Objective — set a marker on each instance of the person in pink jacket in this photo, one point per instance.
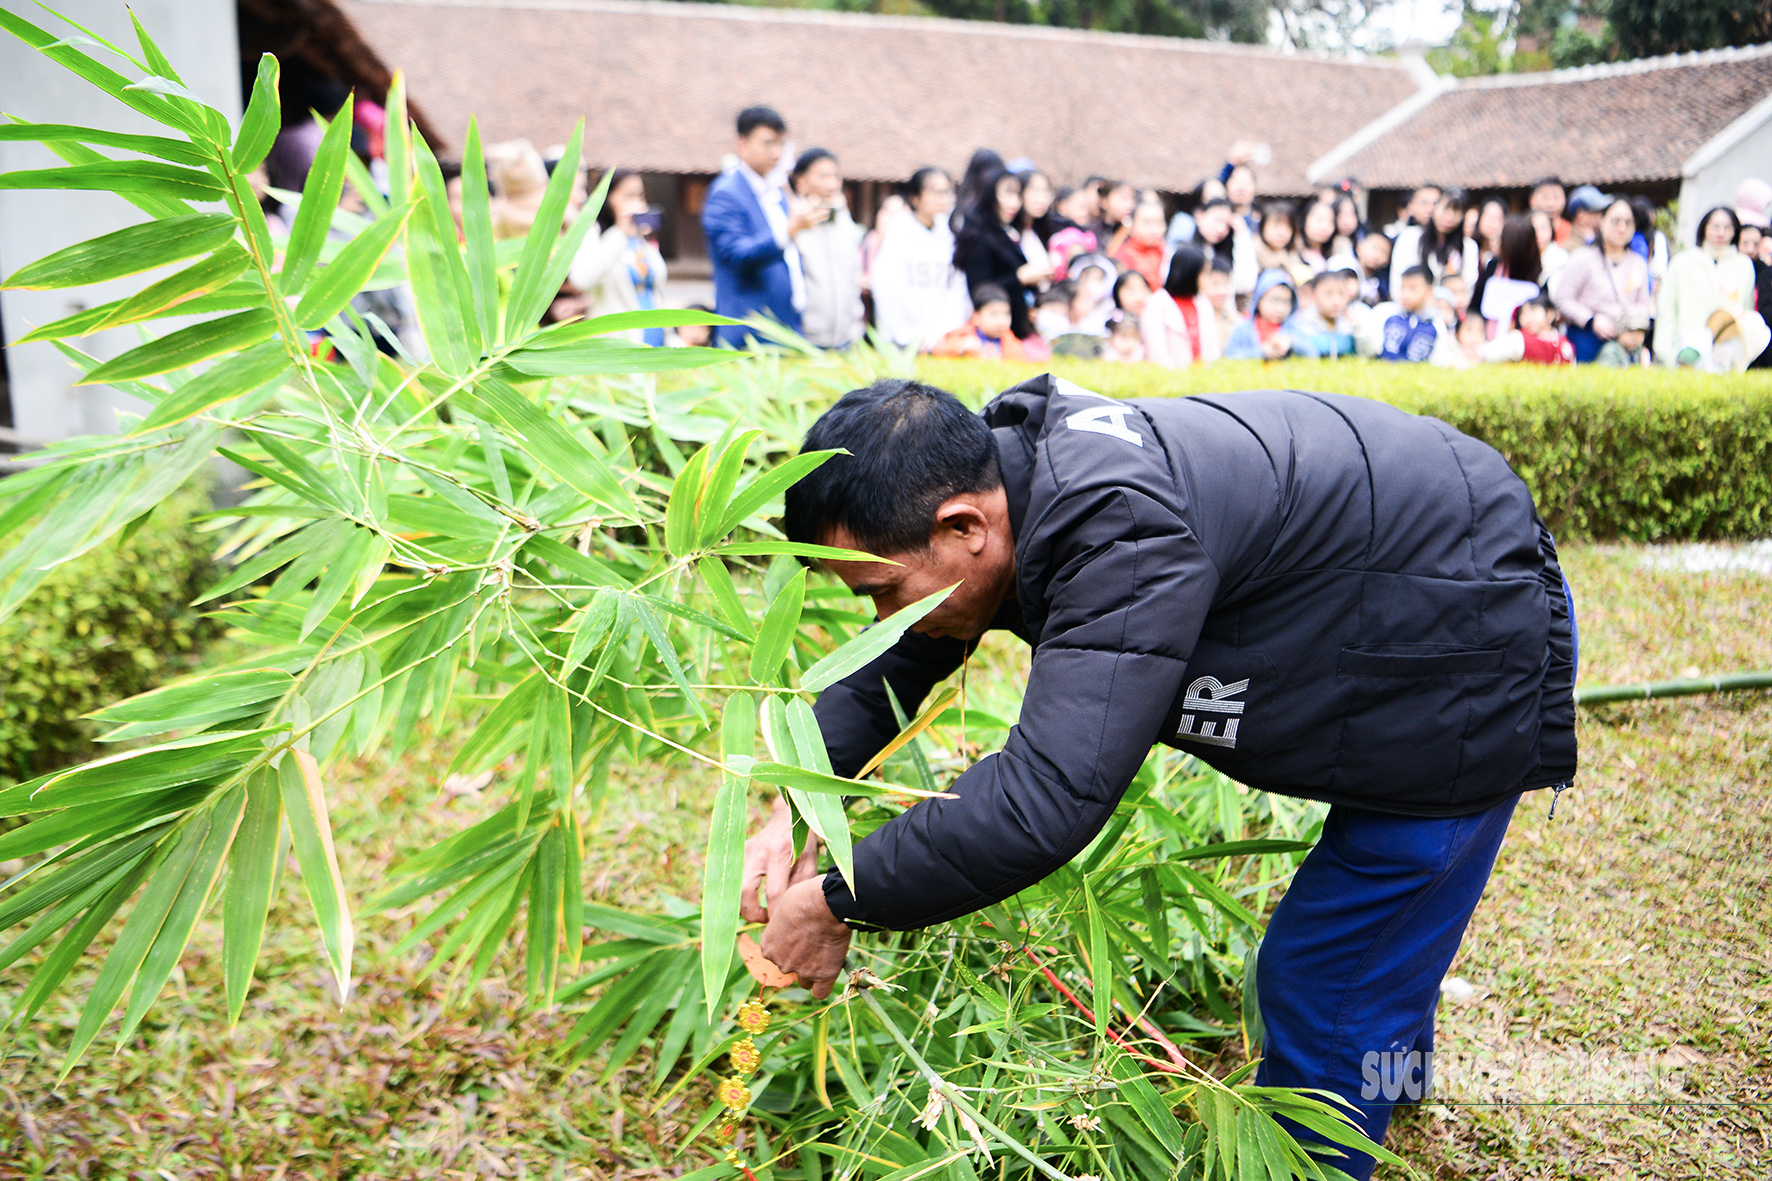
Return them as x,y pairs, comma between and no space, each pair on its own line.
1180,325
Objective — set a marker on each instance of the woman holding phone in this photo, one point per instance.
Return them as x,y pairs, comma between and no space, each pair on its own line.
830,254
620,269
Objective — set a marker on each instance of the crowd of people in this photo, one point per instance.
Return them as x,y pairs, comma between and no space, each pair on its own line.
1007,263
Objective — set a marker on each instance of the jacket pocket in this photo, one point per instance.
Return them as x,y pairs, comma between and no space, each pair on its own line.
1419,660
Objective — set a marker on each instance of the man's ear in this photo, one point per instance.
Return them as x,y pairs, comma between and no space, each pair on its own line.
961,517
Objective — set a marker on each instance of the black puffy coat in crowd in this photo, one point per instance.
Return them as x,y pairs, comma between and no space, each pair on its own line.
1319,595
988,257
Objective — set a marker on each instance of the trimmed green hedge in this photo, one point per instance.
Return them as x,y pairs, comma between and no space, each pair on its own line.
111,623
1647,455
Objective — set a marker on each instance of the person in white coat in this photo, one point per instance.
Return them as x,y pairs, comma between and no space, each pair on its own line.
830,255
919,296
620,269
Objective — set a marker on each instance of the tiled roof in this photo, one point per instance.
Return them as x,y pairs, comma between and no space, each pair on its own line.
1633,121
660,82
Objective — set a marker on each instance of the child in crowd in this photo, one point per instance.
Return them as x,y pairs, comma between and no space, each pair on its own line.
1407,328
987,334
1534,337
1473,335
1370,261
1263,334
1626,351
1052,314
1216,286
1125,339
1322,329
696,335
1458,296
1090,303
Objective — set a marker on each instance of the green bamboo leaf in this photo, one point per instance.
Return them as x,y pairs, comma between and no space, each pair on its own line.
824,813
304,802
549,443
151,177
285,550
799,549
262,120
439,277
127,251
577,330
157,61
252,871
1155,1114
59,962
201,701
767,487
593,571
92,824
667,652
186,346
724,875
1101,970
801,779
594,623
101,864
193,895
171,864
230,297
683,510
719,581
476,220
340,280
543,943
611,356
197,759
337,578
530,294
870,644
176,151
173,294
722,480
319,198
776,636
398,144
105,78
486,743
248,372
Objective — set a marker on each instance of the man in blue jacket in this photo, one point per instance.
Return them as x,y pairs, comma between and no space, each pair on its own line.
1321,596
750,226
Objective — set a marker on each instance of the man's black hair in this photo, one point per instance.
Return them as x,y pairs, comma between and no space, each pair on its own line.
911,446
1544,182
989,293
1418,269
752,118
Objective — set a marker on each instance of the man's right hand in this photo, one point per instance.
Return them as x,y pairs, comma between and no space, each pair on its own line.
769,862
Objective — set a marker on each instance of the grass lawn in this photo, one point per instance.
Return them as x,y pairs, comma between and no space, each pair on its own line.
1621,954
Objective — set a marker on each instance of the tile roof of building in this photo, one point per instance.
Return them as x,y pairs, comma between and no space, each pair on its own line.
1613,124
660,82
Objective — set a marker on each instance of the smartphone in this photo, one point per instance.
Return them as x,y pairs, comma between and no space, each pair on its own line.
648,222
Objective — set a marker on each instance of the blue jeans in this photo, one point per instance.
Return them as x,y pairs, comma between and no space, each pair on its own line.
1348,975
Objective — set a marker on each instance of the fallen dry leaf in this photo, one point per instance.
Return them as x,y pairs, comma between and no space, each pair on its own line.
761,968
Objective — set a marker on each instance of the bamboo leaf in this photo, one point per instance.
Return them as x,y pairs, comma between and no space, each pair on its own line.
667,652
551,444
870,644
202,701
56,966
252,871
780,624
186,346
724,874
399,142
682,511
338,282
824,813
319,199
543,944
445,276
176,151
1155,1114
1101,970
719,581
799,549
722,479
105,78
614,322
767,487
173,294
801,779
171,864
304,802
476,220
198,759
127,251
529,292
606,356
594,623
243,373
150,177
486,743
262,120
193,894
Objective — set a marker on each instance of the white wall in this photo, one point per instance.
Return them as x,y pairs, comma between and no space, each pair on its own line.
1715,183
199,37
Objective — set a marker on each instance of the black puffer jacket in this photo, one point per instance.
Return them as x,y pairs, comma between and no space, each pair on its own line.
1319,595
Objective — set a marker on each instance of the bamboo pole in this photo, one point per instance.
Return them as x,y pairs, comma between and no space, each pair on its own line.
1728,683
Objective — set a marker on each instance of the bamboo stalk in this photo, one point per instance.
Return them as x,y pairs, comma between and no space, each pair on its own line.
1728,683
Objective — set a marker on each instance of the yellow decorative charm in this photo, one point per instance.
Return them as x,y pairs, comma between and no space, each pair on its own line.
745,1058
753,1017
734,1094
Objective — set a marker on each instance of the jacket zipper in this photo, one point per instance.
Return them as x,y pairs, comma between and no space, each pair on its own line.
1556,790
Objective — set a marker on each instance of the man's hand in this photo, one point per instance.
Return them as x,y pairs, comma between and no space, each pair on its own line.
805,938
769,862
